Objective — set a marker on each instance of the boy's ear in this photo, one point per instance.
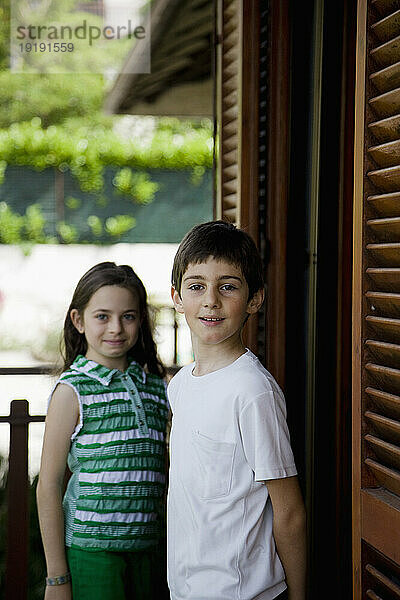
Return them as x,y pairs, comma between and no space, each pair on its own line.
177,300
255,302
77,321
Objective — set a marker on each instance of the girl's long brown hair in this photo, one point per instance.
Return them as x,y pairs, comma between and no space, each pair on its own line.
108,273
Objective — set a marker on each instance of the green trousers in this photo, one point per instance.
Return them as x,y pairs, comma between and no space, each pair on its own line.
111,575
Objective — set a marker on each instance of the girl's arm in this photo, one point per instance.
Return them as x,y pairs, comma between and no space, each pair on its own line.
62,417
289,526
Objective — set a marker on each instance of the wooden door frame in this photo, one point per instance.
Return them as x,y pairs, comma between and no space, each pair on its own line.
277,173
249,138
358,220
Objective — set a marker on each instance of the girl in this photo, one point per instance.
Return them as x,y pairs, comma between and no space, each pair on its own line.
107,418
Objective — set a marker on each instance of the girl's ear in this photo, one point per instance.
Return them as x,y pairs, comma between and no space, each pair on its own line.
177,300
255,302
77,320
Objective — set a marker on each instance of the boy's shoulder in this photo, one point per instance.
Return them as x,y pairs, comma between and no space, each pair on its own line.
246,377
180,376
251,376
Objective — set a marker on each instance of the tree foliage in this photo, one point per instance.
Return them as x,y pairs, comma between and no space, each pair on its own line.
86,151
52,98
4,33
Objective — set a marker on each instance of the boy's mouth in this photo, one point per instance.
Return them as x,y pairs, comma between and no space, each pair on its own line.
211,319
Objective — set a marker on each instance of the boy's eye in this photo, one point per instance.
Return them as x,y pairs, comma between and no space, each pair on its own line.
195,287
228,287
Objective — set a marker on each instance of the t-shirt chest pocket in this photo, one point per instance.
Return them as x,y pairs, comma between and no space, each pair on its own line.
213,466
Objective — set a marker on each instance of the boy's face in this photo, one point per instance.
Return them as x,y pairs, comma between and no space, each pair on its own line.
214,300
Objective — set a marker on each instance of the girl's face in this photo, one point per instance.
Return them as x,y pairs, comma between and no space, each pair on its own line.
111,324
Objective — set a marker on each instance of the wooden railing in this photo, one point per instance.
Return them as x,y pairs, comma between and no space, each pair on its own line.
16,579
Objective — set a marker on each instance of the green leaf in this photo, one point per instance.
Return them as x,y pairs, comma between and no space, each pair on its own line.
136,185
120,224
95,225
67,233
73,203
34,224
11,225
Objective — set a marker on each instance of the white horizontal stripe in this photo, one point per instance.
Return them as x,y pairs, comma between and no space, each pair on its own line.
120,476
121,450
105,397
109,396
116,517
147,396
114,436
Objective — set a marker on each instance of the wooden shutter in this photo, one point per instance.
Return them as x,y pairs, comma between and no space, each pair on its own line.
228,98
237,103
376,316
237,93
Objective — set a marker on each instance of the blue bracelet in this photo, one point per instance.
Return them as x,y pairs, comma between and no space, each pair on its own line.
59,580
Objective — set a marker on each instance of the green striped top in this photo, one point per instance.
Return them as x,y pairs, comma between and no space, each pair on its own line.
117,458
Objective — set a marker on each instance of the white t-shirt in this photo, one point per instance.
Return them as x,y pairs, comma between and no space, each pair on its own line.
228,434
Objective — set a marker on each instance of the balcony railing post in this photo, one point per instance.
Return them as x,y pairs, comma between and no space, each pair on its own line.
176,327
16,583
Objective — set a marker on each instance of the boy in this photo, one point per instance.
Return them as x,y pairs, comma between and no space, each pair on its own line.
233,491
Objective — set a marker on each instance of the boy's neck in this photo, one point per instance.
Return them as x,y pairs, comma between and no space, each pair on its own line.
210,358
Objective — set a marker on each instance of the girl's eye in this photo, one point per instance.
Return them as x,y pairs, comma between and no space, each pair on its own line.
101,317
130,317
195,287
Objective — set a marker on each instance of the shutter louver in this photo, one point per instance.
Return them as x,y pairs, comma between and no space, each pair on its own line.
229,204
379,429
382,579
381,420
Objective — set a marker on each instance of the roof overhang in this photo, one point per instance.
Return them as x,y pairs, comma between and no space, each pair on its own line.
180,82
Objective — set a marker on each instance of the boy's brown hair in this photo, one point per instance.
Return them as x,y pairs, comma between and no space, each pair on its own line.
222,241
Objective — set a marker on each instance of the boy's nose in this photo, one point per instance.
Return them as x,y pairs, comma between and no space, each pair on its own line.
210,299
